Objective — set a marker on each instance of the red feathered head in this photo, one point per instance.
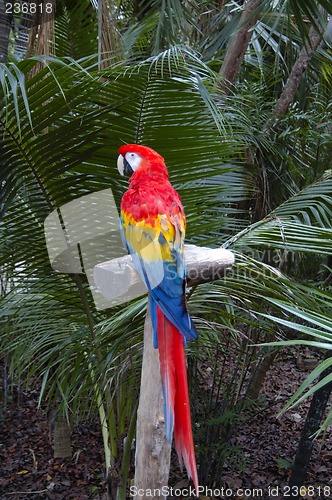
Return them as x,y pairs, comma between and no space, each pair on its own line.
134,157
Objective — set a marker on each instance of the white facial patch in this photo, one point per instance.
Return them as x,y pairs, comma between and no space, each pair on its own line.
134,160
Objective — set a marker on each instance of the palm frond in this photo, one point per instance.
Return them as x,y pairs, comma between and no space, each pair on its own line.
300,224
317,327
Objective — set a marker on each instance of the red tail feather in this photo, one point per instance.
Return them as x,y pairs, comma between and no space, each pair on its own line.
176,396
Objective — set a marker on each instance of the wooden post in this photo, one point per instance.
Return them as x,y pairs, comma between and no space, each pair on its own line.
118,281
153,452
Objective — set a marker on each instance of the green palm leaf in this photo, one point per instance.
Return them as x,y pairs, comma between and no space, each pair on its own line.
300,224
317,326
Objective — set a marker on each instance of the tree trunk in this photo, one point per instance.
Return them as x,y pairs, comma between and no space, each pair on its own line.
41,37
314,417
153,452
61,438
258,377
109,41
5,25
239,44
291,86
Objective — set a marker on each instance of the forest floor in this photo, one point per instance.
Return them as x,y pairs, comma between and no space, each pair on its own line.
261,468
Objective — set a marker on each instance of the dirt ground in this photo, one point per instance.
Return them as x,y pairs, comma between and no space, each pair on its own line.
267,447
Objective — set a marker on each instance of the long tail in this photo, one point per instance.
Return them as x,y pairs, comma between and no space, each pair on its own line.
176,396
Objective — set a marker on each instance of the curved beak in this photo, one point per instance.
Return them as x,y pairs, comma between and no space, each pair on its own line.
124,167
120,165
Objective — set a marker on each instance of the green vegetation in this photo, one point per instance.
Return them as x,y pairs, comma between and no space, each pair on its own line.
253,172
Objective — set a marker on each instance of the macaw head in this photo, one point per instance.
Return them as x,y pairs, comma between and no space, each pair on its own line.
136,158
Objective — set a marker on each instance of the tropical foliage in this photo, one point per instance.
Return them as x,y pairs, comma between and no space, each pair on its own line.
265,192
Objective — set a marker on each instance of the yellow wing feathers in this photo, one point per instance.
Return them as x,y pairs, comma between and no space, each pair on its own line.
154,239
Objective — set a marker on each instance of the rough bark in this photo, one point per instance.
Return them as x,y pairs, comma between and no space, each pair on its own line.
259,375
314,417
5,25
41,37
61,438
153,452
238,45
109,41
288,93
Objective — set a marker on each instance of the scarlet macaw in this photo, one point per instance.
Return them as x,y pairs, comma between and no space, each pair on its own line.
153,225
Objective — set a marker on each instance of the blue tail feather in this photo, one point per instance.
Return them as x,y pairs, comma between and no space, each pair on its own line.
153,312
175,310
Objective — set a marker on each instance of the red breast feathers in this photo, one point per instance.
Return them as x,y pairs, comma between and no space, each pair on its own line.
150,194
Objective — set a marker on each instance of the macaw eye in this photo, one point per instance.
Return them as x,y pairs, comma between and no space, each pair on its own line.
133,159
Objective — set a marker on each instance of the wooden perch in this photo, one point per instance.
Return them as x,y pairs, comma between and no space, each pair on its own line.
119,282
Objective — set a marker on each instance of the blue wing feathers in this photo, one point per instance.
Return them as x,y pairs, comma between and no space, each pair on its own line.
164,279
169,295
